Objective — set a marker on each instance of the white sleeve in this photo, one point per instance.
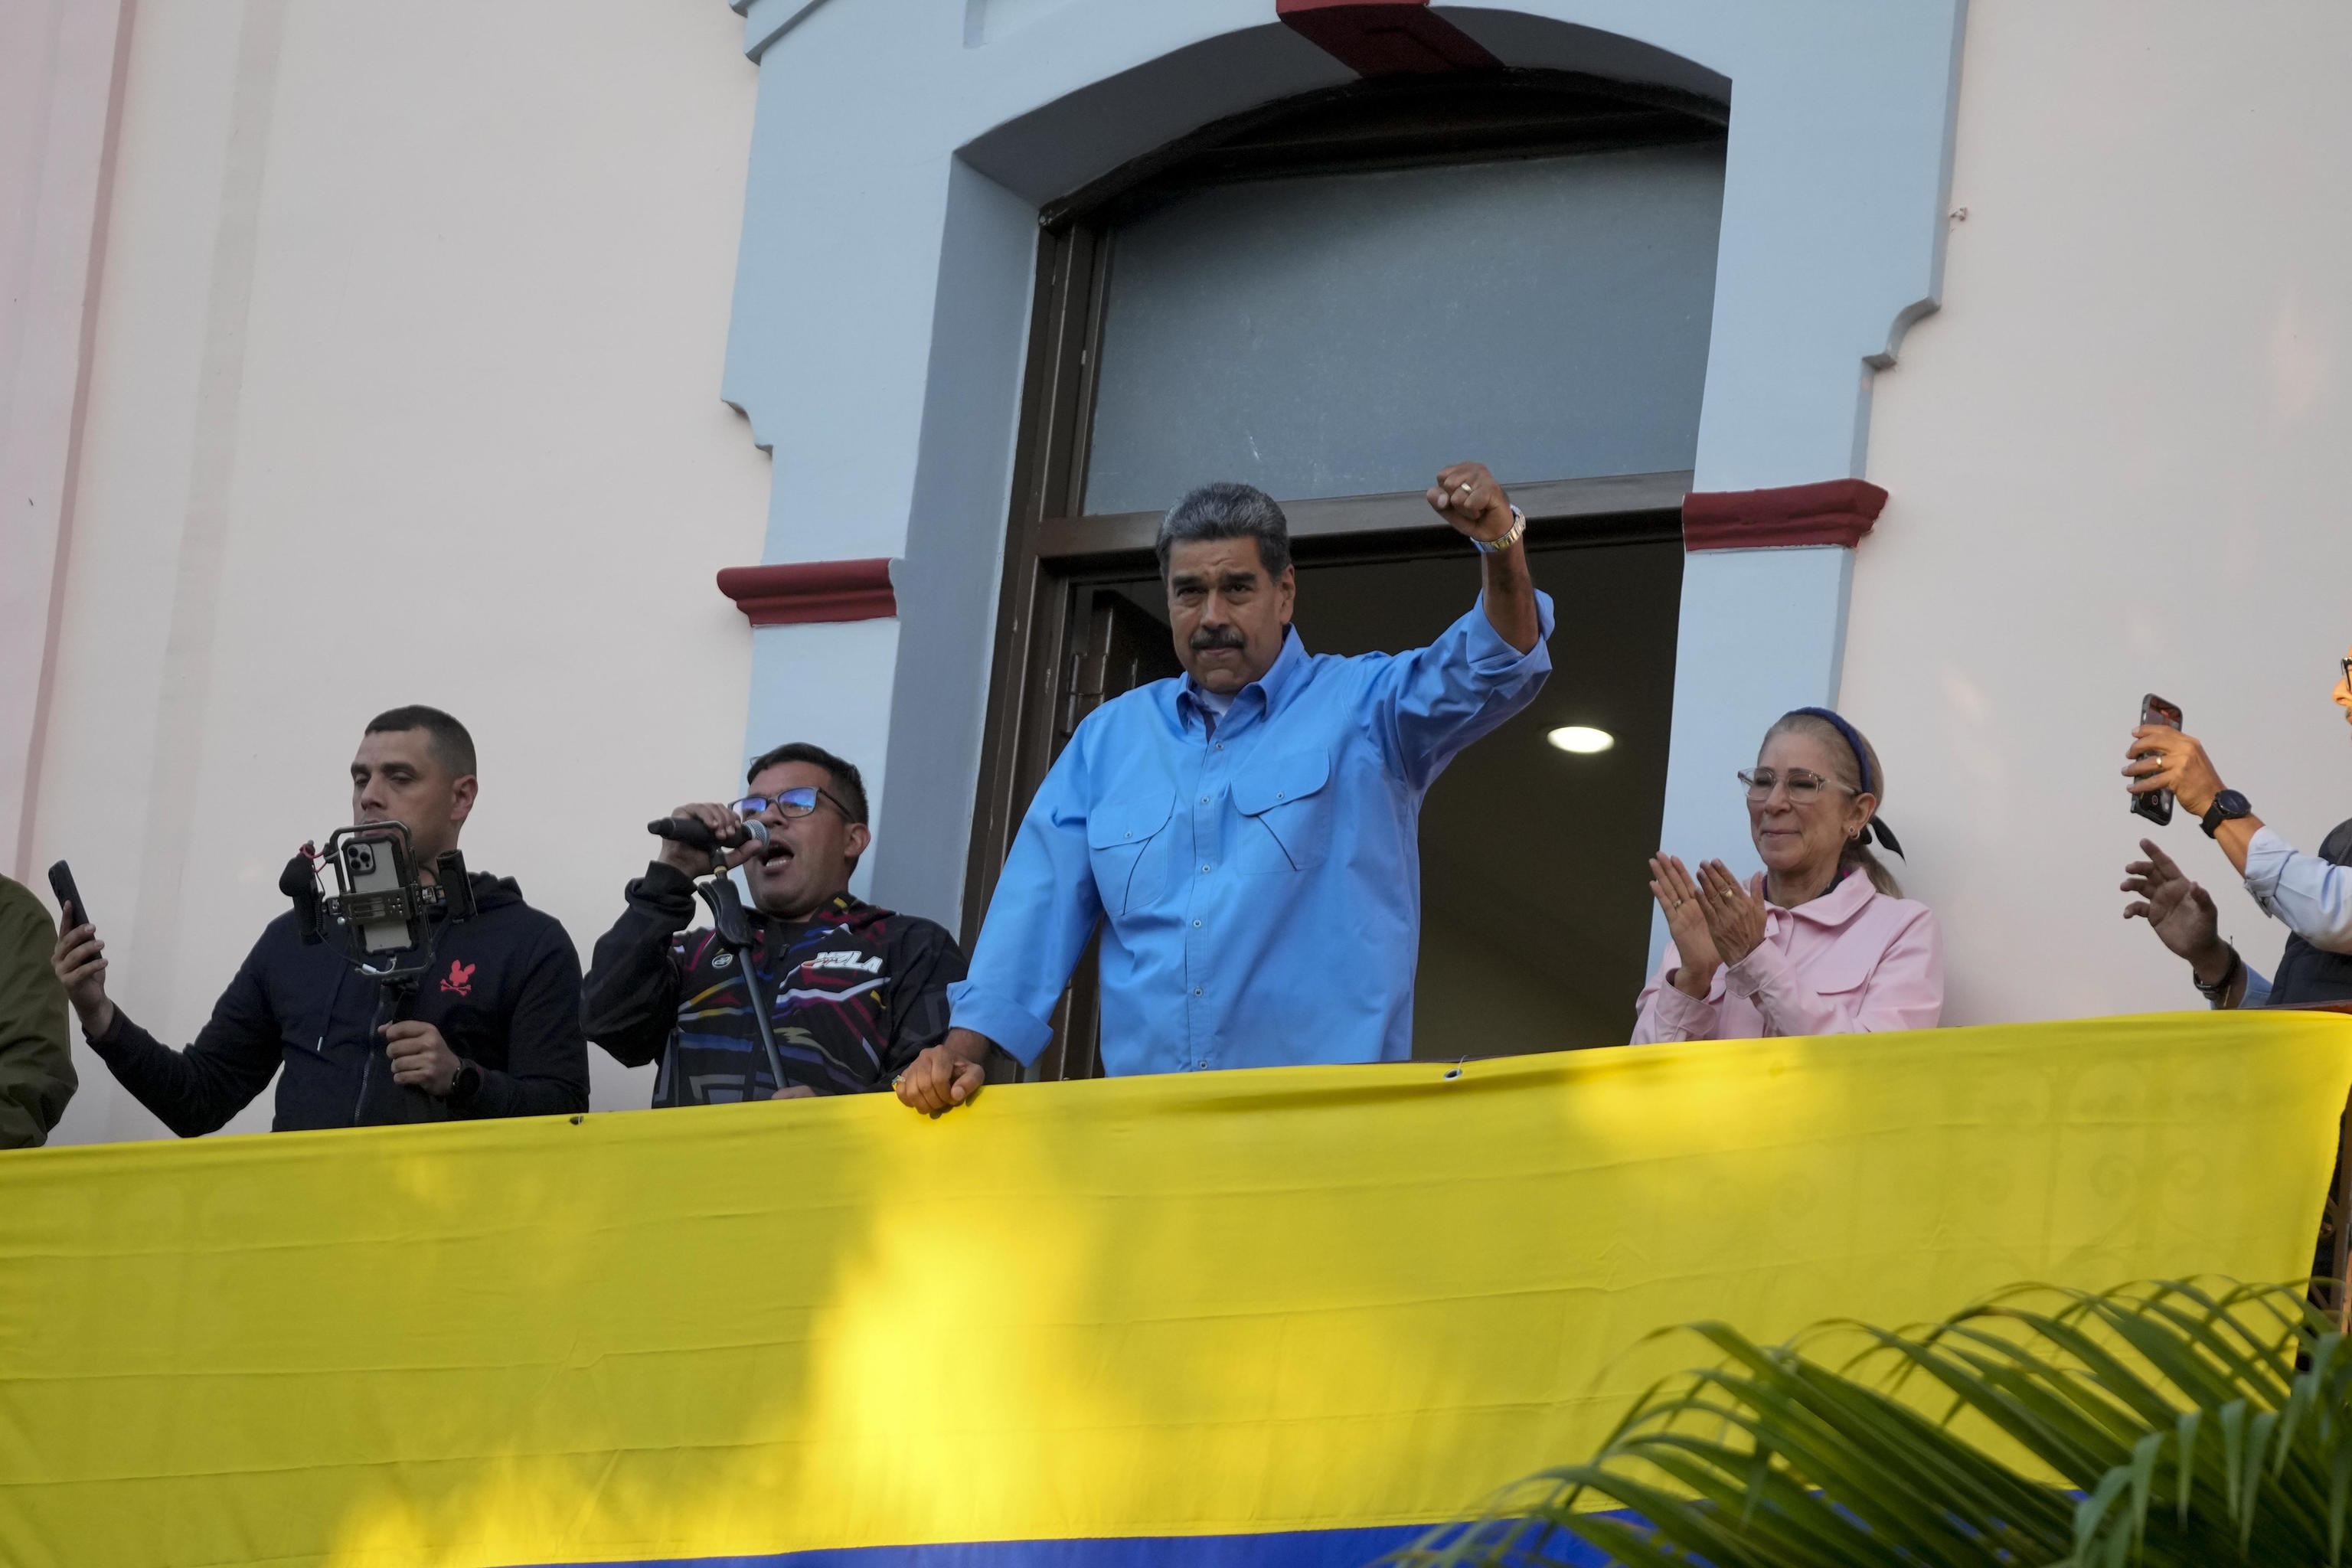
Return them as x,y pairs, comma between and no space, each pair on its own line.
2310,897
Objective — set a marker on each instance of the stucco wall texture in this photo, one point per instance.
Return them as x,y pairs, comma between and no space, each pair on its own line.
2117,464
406,388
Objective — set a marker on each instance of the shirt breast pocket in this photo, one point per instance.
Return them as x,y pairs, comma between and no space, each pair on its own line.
1285,804
1841,973
1127,845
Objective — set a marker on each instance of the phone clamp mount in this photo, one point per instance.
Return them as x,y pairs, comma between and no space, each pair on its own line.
732,921
380,918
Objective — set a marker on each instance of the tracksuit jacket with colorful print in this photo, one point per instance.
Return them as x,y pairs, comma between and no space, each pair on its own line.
853,994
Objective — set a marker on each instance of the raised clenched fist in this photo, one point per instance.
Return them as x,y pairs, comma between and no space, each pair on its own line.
1466,496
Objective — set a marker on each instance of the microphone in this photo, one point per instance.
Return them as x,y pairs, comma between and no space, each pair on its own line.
299,882
691,831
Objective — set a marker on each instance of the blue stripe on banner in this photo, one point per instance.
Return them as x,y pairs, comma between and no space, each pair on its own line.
1278,1548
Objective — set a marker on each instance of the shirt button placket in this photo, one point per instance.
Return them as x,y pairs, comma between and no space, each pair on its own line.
1208,842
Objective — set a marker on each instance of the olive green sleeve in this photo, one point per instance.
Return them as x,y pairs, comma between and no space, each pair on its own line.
36,1071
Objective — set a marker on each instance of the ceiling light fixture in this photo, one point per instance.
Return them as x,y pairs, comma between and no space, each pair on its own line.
1581,739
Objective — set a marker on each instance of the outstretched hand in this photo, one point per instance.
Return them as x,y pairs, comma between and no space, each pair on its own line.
2178,909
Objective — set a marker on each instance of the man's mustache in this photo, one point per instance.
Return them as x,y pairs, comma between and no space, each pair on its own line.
1207,637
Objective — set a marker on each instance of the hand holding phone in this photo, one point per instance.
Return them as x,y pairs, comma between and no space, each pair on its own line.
71,910
79,964
2157,804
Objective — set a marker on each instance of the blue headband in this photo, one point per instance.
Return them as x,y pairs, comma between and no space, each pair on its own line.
1874,829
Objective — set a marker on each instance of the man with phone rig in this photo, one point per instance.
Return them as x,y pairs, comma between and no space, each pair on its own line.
1248,833
854,993
493,1029
2310,894
36,1070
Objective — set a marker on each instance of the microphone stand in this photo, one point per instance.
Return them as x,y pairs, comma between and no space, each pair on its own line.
733,924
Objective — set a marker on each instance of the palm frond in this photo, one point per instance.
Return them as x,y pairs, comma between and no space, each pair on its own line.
2164,1424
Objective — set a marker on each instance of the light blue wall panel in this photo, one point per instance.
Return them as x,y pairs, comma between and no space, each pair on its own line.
1761,631
805,686
948,579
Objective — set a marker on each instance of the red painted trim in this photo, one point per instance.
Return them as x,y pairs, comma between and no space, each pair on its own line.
1836,511
794,592
1384,37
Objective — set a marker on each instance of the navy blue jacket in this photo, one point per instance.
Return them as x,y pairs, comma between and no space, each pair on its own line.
504,991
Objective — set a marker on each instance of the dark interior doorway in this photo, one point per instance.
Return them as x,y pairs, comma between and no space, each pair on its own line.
1534,885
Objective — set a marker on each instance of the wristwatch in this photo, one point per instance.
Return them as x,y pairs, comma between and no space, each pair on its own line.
464,1086
2228,807
2217,992
1497,545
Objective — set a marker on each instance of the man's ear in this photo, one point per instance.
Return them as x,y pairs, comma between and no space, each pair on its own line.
461,798
857,841
1285,591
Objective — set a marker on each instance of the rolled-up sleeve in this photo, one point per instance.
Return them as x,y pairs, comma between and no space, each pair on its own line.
1044,908
2311,898
1437,700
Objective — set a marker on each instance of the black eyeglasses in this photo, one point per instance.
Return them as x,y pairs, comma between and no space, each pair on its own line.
2347,663
1804,787
797,801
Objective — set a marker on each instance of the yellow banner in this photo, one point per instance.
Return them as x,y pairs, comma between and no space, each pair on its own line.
1226,1305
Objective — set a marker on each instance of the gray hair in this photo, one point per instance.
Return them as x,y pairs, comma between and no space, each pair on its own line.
1228,510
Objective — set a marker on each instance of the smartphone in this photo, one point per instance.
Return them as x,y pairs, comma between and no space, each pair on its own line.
69,905
376,865
2157,804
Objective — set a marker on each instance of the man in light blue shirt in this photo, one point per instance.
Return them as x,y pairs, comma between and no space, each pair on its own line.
1248,833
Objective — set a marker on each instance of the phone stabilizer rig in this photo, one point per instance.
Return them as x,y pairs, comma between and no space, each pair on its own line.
380,918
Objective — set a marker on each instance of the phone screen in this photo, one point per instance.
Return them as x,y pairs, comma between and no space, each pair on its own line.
2157,804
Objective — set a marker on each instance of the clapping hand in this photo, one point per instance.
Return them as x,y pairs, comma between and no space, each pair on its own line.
1678,899
1735,915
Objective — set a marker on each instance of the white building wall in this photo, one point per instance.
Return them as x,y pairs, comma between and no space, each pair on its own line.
2118,463
406,388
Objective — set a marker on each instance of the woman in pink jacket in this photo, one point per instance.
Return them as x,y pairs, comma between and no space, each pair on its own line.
1822,941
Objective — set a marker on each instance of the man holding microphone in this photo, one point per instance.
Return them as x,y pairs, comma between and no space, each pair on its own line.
852,993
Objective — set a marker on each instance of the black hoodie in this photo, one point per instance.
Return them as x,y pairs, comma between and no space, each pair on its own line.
504,991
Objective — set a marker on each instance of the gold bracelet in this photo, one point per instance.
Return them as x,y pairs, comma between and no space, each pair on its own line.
1497,545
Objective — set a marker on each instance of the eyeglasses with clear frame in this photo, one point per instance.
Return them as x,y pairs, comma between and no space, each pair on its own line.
1804,786
796,802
